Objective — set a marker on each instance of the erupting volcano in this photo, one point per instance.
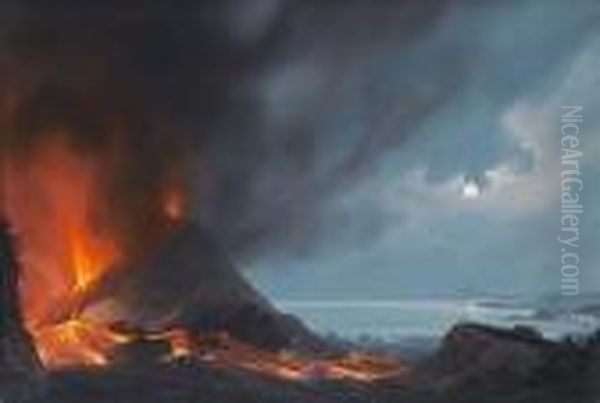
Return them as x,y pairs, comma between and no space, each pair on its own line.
56,201
90,294
114,267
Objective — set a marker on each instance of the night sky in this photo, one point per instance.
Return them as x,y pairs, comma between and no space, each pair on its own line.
347,149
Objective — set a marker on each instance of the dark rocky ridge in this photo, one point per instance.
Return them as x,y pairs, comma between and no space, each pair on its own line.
21,373
478,363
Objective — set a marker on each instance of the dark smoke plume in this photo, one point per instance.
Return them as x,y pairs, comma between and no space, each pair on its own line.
186,89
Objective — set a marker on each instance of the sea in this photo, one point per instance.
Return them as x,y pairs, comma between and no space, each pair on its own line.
392,320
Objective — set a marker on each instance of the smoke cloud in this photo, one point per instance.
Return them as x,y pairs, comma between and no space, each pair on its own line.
195,91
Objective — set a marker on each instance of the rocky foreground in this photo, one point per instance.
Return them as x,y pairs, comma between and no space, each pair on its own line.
475,364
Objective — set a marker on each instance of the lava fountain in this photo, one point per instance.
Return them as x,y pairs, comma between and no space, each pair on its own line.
55,197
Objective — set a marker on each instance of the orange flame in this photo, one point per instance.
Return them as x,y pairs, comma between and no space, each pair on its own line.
56,198
53,199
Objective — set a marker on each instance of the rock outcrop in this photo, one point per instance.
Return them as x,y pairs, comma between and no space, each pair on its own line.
21,374
477,362
482,349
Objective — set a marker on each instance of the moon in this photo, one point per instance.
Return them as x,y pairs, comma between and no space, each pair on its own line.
471,190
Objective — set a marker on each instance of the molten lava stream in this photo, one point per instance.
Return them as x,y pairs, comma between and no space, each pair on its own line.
76,342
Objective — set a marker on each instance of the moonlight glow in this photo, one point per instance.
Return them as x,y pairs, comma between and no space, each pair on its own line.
471,191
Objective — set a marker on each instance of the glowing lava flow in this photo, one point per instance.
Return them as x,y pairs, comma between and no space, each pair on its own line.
76,342
219,350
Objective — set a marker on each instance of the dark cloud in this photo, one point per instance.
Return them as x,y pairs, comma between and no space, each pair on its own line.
276,107
195,80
